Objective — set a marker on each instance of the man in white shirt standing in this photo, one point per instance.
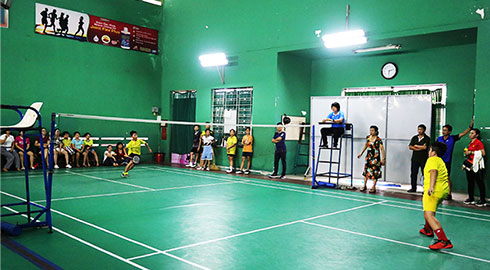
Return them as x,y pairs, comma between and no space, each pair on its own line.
7,150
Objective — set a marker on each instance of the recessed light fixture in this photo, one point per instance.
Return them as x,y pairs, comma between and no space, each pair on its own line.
381,48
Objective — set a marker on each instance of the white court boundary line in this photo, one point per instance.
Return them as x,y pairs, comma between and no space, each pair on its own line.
112,181
89,244
132,192
284,187
257,230
396,241
111,233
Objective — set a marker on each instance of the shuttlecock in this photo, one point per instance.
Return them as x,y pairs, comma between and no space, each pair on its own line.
481,11
318,32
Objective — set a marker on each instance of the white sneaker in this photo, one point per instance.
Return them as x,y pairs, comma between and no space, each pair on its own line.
193,165
23,168
68,166
239,172
229,171
207,169
189,165
246,172
32,168
56,166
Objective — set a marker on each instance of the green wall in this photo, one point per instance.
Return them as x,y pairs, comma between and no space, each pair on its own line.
80,77
454,65
264,35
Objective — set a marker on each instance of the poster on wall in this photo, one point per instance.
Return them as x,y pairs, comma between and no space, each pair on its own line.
4,18
61,22
65,23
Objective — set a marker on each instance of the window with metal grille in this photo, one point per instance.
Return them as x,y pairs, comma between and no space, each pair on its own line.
231,106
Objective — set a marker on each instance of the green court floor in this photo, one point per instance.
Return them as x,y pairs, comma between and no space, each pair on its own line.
171,218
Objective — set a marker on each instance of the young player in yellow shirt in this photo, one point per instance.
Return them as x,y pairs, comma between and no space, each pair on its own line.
134,152
436,189
247,153
231,143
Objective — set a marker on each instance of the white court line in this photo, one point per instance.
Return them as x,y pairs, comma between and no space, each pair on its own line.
251,182
89,244
111,233
448,214
272,227
112,181
395,241
131,192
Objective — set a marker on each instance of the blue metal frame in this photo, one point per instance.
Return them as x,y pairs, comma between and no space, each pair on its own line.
48,176
316,184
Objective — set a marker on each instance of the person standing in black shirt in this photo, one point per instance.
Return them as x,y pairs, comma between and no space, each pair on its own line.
419,144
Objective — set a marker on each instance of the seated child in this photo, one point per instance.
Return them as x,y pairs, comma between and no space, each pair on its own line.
110,157
59,150
77,145
89,149
207,152
19,146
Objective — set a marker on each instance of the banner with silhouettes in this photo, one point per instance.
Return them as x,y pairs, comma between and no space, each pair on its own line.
60,22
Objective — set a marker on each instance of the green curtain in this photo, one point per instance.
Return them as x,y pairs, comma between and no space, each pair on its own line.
184,109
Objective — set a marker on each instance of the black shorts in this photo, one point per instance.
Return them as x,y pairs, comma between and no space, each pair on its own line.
247,154
194,150
231,155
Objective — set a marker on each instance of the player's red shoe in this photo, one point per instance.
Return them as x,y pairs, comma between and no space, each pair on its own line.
441,244
426,232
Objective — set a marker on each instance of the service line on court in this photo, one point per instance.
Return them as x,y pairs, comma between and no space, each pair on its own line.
255,231
111,233
395,241
132,192
112,181
338,195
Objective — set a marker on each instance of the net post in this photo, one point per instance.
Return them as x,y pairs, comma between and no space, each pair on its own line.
313,172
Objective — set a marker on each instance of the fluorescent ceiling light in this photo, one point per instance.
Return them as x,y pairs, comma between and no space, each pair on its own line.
213,60
381,48
344,39
154,2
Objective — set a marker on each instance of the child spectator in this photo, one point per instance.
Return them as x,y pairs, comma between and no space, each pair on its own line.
201,149
280,140
247,142
7,150
109,157
231,143
195,147
37,144
77,145
207,152
121,156
89,149
19,147
59,150
67,143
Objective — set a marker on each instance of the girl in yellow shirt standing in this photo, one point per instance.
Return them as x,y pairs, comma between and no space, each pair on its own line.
231,143
247,142
436,189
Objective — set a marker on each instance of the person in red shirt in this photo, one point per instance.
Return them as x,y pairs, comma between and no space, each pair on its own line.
471,175
19,147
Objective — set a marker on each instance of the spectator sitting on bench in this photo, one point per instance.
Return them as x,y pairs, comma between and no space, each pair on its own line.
59,149
37,144
77,145
19,147
7,150
121,156
89,149
110,157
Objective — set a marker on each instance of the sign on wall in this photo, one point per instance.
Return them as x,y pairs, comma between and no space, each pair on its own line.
64,23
